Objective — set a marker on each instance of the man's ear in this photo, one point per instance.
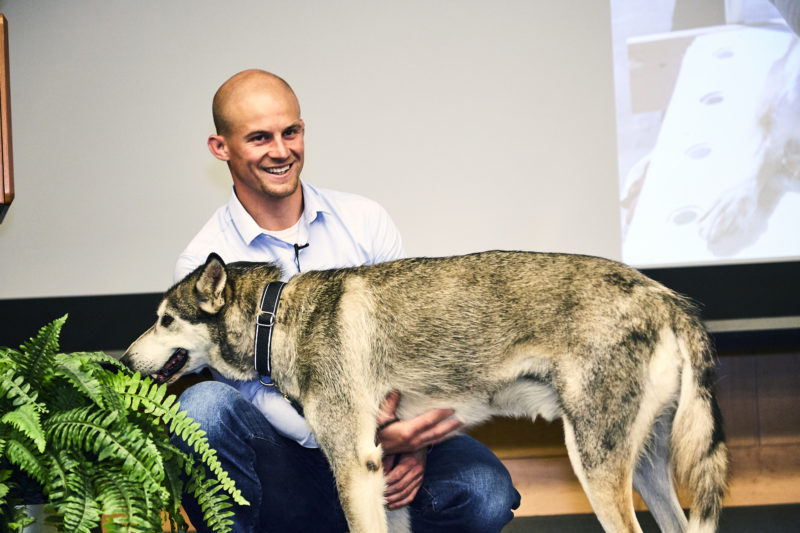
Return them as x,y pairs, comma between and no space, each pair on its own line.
211,285
218,147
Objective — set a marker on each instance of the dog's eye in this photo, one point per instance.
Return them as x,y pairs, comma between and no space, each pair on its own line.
166,320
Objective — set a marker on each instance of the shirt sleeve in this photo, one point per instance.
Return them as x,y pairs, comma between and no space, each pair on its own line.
185,265
387,242
210,239
280,413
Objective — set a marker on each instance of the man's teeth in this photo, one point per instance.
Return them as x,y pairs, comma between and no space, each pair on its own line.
279,170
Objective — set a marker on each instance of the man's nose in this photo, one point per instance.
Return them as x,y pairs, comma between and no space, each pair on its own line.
278,149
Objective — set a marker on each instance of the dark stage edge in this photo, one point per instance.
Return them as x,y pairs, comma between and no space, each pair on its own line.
757,519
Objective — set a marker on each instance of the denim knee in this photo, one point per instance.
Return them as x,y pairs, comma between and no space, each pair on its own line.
490,497
207,396
219,409
466,489
213,405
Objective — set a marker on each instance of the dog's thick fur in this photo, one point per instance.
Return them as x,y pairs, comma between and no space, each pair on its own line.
623,360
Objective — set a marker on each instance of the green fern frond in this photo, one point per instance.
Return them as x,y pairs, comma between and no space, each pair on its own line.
40,351
127,507
26,419
13,387
189,431
72,369
144,395
80,428
5,488
173,463
60,465
5,485
93,432
212,503
79,511
145,392
71,494
8,356
97,360
20,453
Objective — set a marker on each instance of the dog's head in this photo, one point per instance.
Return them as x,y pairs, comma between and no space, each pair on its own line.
197,325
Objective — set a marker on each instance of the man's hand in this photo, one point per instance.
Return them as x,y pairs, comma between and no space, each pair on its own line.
416,434
403,474
405,445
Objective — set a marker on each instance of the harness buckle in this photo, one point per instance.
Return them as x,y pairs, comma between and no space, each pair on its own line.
269,316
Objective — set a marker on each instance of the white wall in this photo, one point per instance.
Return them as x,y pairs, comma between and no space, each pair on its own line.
477,124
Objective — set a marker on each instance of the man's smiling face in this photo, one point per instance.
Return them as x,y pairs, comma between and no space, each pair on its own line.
265,144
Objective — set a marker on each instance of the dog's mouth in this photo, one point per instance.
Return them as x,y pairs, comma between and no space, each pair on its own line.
171,367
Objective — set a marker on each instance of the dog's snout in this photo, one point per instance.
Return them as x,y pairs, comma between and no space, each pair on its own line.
126,359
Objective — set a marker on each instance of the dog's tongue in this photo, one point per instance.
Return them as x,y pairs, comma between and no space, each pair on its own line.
169,369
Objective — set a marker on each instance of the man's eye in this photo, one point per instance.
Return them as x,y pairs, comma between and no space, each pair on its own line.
166,320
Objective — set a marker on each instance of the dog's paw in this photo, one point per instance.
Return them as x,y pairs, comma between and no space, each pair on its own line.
734,222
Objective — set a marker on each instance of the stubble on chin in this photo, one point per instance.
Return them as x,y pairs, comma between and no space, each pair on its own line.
281,191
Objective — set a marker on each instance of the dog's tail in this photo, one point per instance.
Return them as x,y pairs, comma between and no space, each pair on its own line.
699,454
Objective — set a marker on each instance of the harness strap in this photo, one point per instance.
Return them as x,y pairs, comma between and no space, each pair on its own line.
264,324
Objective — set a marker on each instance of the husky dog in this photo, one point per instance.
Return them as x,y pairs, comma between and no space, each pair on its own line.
623,360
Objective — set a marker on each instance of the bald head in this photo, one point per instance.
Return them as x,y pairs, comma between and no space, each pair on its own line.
242,86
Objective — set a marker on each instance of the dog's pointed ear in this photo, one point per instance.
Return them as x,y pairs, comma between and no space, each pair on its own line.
210,285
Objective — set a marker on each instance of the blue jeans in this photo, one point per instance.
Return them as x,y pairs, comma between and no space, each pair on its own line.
291,488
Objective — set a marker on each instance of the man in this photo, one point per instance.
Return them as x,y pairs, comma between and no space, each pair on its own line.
263,443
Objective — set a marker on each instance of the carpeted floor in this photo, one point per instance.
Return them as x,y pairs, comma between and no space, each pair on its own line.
766,519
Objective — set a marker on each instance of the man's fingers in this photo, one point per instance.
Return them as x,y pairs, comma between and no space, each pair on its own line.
431,427
404,481
439,432
391,401
388,463
402,499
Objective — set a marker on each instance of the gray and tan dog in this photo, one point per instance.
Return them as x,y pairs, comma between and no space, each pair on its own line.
623,360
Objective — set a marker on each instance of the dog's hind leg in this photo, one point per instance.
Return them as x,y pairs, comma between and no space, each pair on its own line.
399,520
652,479
607,484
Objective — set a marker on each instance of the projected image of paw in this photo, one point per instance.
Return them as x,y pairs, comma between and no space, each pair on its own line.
733,222
729,145
741,215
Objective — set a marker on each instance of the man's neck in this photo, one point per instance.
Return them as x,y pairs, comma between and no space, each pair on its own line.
274,214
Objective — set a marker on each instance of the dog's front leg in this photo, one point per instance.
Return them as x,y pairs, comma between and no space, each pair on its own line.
347,437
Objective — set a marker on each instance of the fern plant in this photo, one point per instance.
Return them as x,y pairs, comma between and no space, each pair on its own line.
94,437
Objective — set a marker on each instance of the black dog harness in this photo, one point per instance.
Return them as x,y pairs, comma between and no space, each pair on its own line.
264,324
265,321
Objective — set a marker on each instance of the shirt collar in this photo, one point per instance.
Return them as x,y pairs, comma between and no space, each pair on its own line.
247,227
242,220
313,204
